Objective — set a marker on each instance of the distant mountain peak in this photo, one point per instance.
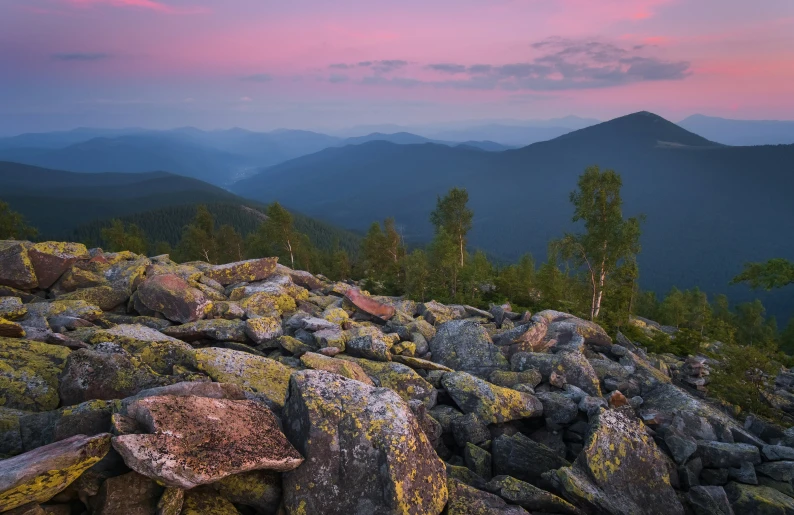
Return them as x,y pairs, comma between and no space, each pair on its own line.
643,128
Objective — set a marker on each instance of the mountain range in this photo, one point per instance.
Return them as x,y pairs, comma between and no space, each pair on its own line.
709,207
218,157
741,132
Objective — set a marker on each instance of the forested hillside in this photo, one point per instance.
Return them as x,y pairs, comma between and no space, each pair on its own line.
710,208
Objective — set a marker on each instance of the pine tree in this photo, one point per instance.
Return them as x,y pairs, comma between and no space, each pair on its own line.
13,226
280,232
119,237
609,238
417,275
673,309
198,238
775,273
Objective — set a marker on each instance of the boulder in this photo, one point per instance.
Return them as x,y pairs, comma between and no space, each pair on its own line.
16,269
571,367
29,374
402,379
469,428
523,458
151,347
105,372
10,329
758,499
370,347
12,308
365,452
171,501
51,259
465,346
198,440
529,496
206,501
777,452
369,305
493,404
267,379
478,460
435,313
243,271
89,418
620,470
709,500
105,297
38,475
193,388
259,489
342,367
130,493
263,329
217,329
173,297
723,454
466,500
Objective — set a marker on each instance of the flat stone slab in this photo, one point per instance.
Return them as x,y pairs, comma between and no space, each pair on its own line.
199,440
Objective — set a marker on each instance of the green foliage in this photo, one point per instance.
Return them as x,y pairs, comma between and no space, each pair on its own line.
453,216
382,251
417,275
276,236
740,376
775,273
787,338
684,343
13,226
202,242
120,236
608,239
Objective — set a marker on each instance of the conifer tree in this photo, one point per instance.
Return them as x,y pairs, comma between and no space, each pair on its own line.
119,237
13,226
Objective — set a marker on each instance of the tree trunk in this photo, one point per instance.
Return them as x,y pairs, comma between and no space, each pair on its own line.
461,250
291,257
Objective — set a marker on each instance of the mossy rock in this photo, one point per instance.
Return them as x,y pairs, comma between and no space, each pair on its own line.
216,329
336,366
398,377
466,500
10,435
88,418
259,489
265,304
107,372
491,403
10,329
106,297
12,308
38,475
29,374
266,378
370,435
155,349
16,269
206,501
52,258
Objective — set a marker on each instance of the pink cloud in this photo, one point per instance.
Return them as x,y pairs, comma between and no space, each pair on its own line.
151,5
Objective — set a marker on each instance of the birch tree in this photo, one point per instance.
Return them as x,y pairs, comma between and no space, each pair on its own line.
608,238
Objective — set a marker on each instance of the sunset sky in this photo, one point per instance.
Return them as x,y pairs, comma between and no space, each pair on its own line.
262,64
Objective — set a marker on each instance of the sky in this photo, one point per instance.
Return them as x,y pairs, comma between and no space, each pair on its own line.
320,64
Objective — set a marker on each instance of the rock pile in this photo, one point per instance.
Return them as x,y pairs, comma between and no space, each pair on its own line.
139,385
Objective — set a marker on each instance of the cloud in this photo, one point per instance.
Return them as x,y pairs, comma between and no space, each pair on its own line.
258,77
447,68
559,64
337,78
80,56
150,5
383,66
246,99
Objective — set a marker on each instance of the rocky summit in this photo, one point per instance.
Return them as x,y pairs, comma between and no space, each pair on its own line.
138,385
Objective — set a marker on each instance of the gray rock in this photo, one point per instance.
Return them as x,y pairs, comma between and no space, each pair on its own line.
558,408
720,454
529,496
744,474
365,452
465,346
680,445
469,428
523,458
573,367
493,404
709,500
777,453
369,347
620,470
758,499
465,500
